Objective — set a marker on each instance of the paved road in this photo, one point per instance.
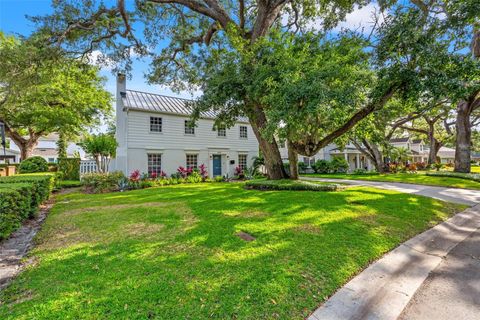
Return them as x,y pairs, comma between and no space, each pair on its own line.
435,275
455,195
452,290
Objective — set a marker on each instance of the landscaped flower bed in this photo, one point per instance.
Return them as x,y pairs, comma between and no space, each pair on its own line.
286,184
20,197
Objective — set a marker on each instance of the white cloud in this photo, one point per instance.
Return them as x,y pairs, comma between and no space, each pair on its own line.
360,19
97,58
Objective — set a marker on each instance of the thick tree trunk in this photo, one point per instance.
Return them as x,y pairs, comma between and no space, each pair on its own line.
372,152
293,161
435,146
273,160
26,146
463,138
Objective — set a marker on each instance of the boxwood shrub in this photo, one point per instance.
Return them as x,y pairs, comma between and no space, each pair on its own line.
467,176
20,197
297,185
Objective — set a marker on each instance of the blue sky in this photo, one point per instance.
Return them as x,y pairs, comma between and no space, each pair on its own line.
13,21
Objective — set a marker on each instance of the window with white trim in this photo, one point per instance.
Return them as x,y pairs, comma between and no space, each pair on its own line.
155,124
242,161
243,132
192,161
189,127
154,163
221,132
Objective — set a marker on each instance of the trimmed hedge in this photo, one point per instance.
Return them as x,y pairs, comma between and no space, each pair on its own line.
297,185
20,197
33,164
466,176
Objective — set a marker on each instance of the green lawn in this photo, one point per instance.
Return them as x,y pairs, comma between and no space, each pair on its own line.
416,178
172,252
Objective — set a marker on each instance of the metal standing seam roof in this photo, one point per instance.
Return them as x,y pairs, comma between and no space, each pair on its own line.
159,103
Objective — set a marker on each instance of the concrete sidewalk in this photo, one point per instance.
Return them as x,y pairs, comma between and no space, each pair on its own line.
455,195
439,269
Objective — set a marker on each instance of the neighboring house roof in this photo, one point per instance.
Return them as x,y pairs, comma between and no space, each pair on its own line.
45,152
9,151
416,141
138,100
394,140
445,152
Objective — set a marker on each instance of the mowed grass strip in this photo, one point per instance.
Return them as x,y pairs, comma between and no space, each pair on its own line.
173,252
413,178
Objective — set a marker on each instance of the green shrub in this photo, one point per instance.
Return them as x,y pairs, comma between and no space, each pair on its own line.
339,165
43,184
322,166
33,164
194,177
70,168
219,179
102,182
438,165
11,203
20,197
466,176
360,171
286,184
302,167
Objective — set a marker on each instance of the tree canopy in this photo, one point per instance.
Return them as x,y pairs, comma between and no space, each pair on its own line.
43,92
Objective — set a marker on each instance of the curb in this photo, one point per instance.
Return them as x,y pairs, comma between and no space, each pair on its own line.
384,289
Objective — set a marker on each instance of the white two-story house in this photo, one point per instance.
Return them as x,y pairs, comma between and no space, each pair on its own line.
154,134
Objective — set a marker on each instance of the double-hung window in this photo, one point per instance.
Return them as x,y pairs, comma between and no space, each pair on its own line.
192,161
189,127
155,124
221,132
242,161
243,132
154,164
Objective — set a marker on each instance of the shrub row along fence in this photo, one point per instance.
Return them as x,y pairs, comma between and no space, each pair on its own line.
20,198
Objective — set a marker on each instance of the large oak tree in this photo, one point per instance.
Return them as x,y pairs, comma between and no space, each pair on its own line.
42,92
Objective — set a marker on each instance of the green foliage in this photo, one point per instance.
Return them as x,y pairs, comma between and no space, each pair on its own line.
339,165
467,176
400,154
45,91
297,185
100,182
102,147
438,165
219,179
302,167
70,168
194,177
322,166
20,197
33,164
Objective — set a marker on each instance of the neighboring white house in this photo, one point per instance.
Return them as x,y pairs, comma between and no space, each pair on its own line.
357,160
47,148
154,134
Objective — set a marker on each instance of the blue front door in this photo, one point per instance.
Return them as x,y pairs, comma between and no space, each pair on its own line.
217,165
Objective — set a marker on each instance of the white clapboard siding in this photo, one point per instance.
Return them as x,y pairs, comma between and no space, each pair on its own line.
173,134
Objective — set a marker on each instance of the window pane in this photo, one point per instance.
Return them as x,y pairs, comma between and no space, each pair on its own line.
155,124
192,161
222,132
243,132
154,163
242,161
189,128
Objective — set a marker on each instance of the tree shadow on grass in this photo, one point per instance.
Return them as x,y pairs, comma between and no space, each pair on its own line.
307,245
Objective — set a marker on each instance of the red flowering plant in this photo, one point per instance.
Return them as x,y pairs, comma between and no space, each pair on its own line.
239,172
153,175
135,176
203,171
163,175
184,172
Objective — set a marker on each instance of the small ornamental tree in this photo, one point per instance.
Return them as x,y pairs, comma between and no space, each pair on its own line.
102,148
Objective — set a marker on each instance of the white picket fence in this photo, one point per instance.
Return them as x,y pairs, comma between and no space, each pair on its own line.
87,166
